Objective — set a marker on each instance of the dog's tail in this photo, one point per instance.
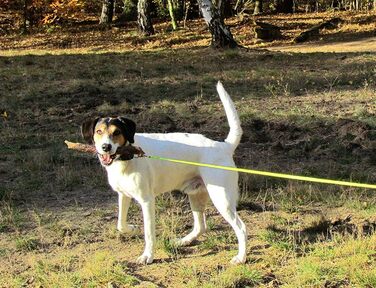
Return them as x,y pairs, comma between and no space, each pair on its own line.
233,137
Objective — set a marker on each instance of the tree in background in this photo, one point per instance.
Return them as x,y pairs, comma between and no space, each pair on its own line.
25,17
128,11
50,13
33,13
144,18
107,12
258,7
220,4
59,11
171,10
284,6
221,35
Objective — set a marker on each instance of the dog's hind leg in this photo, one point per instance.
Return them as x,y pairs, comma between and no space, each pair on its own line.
198,198
223,191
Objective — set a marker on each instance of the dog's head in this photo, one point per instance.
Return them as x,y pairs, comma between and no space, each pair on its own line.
108,134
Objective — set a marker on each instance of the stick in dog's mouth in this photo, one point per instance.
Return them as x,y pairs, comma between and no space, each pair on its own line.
126,151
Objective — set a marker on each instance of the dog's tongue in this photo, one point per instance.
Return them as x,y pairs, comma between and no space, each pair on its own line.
106,159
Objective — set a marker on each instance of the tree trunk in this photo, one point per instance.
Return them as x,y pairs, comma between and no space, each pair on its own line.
25,20
143,18
221,35
258,7
220,4
107,12
335,4
186,10
284,6
171,10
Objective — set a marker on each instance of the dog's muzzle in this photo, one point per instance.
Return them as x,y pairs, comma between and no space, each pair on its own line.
107,159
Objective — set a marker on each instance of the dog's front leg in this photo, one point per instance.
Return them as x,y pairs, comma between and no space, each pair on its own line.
122,225
148,211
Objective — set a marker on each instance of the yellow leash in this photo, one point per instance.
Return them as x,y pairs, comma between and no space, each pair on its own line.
269,174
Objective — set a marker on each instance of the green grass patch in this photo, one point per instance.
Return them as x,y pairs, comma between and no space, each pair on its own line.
171,248
27,243
214,240
349,261
10,217
279,239
3,252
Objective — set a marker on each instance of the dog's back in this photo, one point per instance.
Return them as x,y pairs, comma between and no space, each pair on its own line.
186,145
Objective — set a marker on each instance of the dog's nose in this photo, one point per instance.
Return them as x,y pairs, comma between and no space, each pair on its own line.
106,147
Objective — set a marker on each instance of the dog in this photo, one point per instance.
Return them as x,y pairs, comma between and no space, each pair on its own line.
143,179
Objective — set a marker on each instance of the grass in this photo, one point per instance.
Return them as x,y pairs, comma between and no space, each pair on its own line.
215,241
26,243
241,276
309,114
281,241
171,248
10,217
349,261
94,270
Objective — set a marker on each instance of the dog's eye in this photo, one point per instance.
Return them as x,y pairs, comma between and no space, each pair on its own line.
99,132
116,132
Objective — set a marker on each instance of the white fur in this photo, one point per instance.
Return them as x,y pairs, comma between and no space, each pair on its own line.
143,179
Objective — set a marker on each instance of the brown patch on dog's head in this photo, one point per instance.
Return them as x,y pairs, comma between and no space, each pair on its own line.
120,130
127,126
87,130
110,129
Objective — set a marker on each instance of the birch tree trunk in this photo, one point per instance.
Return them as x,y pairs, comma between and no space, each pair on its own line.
221,35
258,7
143,18
171,10
107,12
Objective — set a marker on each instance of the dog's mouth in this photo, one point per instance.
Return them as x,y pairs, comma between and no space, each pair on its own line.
107,159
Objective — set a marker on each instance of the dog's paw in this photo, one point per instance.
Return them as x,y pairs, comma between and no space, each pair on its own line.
238,260
183,242
187,240
145,259
128,228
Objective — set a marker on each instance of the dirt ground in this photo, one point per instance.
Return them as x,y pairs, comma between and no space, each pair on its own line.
360,45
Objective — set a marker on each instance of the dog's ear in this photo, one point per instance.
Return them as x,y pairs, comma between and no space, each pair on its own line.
129,128
87,130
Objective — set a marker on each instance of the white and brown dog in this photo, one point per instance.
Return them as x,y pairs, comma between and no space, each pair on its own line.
143,179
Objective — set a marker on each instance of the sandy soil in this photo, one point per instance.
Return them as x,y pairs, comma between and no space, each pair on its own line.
359,45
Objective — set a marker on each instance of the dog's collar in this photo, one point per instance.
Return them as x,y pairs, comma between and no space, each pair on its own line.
125,156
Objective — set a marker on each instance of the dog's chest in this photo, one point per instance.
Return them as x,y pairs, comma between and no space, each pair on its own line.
122,182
